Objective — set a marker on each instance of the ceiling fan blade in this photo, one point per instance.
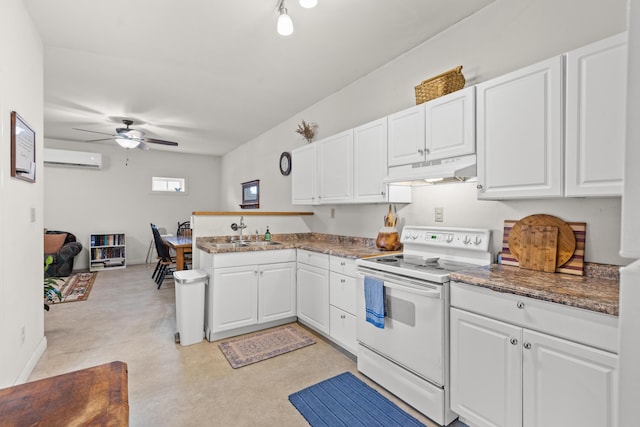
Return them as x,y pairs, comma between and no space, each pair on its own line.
98,140
93,131
142,146
160,141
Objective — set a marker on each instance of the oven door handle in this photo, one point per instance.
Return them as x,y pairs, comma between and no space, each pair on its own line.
425,292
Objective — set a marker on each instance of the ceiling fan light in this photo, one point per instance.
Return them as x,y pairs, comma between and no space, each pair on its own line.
285,24
308,4
127,143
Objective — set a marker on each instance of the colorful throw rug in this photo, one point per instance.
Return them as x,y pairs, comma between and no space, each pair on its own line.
256,347
75,287
345,400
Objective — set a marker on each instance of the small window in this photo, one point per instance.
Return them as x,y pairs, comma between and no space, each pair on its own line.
168,185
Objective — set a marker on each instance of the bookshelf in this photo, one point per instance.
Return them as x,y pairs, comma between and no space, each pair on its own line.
107,251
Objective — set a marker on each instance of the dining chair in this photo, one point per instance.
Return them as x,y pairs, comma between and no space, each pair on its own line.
184,229
166,264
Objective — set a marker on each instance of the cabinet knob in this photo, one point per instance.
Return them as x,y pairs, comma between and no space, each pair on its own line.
514,341
520,305
382,193
428,151
342,316
420,151
255,272
342,280
342,263
479,186
527,345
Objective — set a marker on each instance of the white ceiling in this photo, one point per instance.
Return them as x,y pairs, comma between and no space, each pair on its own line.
214,74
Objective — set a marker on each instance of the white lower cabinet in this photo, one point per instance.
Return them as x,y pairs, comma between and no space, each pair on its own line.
248,291
313,290
247,295
505,374
342,300
327,296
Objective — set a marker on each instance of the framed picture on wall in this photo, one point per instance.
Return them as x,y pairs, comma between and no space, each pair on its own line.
23,149
250,195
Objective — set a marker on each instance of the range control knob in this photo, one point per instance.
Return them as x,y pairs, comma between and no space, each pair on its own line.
449,238
477,240
467,239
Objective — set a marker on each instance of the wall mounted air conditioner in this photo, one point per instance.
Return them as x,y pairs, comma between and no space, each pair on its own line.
72,158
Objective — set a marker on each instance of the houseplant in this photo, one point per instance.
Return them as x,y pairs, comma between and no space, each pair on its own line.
50,290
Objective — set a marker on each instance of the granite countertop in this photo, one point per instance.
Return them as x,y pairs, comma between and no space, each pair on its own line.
597,291
343,246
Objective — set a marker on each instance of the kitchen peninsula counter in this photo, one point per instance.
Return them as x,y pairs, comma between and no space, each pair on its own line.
343,246
597,291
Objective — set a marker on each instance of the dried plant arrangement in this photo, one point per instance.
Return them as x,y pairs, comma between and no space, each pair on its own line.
307,130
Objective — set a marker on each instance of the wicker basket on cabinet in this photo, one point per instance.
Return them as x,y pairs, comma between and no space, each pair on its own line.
442,84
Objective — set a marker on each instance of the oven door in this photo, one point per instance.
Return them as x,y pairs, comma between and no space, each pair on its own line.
413,334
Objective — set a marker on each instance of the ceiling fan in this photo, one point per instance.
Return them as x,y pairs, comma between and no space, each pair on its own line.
129,138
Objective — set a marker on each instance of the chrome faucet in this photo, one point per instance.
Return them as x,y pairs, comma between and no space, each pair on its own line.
239,227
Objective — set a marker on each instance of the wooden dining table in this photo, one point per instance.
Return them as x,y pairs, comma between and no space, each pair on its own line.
182,246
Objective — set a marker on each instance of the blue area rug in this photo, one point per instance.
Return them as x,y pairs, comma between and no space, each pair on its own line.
344,400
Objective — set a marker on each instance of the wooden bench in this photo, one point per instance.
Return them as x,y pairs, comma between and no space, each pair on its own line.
96,396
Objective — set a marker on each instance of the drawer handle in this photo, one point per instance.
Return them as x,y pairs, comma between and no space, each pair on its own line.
514,341
527,345
520,305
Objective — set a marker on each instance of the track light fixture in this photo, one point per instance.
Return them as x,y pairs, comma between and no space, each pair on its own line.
285,24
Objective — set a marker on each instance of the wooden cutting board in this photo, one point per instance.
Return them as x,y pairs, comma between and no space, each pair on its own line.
566,240
538,247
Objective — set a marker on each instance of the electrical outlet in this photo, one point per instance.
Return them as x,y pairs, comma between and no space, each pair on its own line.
333,212
439,214
33,214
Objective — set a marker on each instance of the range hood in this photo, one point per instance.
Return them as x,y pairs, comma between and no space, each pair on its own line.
454,169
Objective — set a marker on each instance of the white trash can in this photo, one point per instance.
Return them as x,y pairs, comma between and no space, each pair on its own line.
190,305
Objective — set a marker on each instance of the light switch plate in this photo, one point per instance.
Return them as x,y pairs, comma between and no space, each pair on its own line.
439,217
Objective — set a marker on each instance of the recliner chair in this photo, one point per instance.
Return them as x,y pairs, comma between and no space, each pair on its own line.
62,264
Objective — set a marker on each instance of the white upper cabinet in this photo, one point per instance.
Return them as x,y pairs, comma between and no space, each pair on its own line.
520,133
335,168
450,125
303,175
595,117
406,136
370,162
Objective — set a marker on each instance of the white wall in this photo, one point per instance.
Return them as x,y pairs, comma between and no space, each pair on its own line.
118,197
502,37
21,308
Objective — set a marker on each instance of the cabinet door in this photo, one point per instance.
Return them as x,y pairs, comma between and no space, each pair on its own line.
335,168
450,126
303,175
486,375
343,329
276,291
235,297
520,133
406,136
313,296
595,109
370,162
567,383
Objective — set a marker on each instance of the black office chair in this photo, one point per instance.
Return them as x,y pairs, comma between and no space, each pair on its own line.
166,264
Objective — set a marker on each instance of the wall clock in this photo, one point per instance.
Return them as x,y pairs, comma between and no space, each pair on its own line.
285,163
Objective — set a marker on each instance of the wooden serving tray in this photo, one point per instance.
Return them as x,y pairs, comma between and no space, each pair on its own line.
575,264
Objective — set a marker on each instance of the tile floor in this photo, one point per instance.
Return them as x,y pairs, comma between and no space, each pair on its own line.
126,318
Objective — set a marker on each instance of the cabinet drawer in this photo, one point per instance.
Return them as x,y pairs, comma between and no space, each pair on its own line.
343,265
313,258
342,292
578,325
342,326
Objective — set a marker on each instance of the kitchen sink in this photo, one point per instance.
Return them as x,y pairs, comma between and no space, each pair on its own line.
262,244
245,244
